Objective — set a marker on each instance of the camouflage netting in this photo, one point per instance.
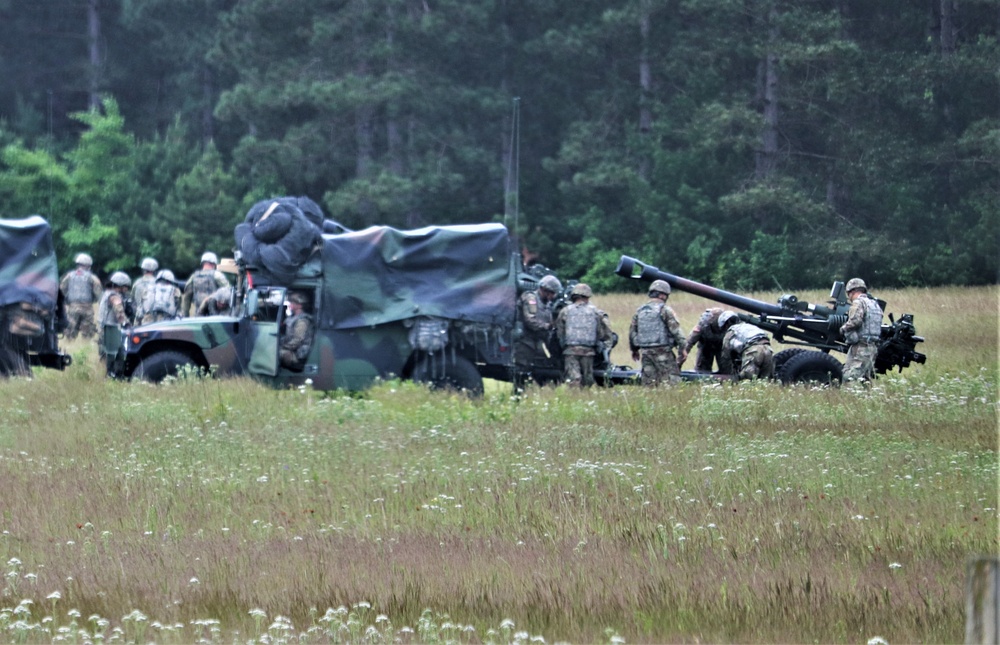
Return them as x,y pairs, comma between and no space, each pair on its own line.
381,274
28,270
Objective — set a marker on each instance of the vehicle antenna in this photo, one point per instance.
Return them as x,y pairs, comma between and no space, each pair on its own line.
513,168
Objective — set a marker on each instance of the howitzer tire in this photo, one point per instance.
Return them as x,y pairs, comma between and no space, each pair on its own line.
812,367
782,357
156,367
446,373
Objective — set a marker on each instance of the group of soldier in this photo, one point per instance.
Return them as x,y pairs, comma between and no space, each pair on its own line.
155,296
740,349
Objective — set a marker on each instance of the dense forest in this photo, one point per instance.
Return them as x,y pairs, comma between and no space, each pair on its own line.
750,143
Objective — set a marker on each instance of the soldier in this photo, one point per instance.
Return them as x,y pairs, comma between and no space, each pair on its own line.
220,303
161,301
652,336
112,319
297,334
746,349
861,332
708,337
143,283
536,314
202,284
580,327
80,289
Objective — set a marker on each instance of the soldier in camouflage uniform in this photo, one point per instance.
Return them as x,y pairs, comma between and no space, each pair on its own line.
81,289
161,301
861,332
149,267
652,336
536,315
746,349
297,333
202,284
112,319
581,327
708,337
220,303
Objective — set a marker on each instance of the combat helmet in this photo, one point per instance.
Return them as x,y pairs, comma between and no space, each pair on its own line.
208,256
165,274
550,283
856,283
149,264
659,286
120,279
726,317
581,290
298,297
84,259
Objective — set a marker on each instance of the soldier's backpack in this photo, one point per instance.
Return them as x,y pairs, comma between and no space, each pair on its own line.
581,326
651,332
203,285
79,289
159,299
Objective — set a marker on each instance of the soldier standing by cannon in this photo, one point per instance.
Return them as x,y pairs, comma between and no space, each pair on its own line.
580,327
861,332
652,336
536,314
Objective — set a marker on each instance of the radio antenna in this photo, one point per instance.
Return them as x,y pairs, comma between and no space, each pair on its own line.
511,206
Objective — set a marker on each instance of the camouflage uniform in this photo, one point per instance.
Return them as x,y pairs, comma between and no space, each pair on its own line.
202,284
111,319
580,327
653,334
81,289
161,302
217,304
746,352
537,318
862,332
296,341
139,289
708,337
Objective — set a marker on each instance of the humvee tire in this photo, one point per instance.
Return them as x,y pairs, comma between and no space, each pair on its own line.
445,373
159,365
811,367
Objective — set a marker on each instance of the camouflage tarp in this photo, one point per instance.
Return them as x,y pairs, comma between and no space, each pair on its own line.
28,270
381,274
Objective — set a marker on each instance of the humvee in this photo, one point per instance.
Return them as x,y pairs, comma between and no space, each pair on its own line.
31,307
434,305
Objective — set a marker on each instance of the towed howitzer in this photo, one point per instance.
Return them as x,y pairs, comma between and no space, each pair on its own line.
796,322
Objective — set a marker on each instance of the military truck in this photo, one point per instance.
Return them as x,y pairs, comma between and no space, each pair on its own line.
31,308
434,305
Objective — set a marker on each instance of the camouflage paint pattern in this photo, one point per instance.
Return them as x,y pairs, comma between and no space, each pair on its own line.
30,307
366,287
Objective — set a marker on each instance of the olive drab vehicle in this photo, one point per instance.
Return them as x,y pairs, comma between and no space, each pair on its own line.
434,305
31,309
814,328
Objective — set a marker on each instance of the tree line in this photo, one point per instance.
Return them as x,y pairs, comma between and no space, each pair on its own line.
754,144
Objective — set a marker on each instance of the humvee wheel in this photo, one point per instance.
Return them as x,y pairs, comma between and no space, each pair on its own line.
156,367
811,367
445,373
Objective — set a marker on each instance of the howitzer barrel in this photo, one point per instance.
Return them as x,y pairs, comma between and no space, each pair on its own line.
629,267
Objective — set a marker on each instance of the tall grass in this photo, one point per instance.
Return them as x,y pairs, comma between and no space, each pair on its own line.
223,511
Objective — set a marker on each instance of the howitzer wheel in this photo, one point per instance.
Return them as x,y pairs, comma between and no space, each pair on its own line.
156,367
811,367
782,357
442,372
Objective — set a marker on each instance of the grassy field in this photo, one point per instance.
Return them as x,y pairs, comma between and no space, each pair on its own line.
223,511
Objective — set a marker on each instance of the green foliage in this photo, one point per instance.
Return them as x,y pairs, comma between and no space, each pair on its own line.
643,128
